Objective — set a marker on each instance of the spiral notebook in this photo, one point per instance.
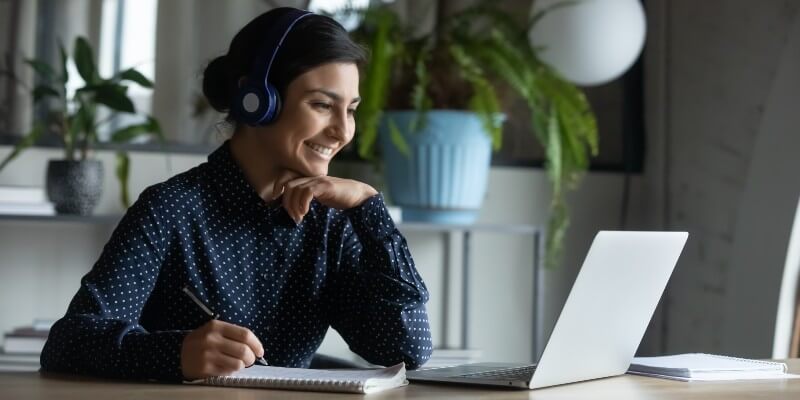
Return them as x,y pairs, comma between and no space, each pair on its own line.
320,380
707,367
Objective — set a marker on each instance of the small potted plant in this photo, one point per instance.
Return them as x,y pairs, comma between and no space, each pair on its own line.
433,110
74,183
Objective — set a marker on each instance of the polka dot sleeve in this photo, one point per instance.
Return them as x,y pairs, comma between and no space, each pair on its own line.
100,333
378,297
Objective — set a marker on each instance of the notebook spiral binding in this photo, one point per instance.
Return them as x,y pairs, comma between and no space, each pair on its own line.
771,363
307,384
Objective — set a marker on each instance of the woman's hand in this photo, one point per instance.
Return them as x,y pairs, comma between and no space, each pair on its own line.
331,191
218,348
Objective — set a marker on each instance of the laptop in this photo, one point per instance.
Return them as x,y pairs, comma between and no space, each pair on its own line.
602,322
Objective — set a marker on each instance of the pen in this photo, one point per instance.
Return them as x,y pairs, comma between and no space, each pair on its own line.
210,313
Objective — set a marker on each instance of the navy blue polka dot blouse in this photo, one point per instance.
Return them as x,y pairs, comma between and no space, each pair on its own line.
249,262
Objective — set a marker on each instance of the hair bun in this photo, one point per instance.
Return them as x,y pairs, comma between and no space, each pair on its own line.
218,84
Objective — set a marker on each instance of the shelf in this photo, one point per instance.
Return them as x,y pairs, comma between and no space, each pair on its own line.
403,226
494,227
152,147
170,146
83,219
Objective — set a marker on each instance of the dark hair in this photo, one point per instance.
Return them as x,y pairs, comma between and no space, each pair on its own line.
313,41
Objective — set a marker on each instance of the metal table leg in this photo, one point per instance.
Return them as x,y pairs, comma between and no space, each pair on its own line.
446,291
465,291
536,306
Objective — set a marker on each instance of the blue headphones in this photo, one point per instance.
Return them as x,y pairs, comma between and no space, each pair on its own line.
257,102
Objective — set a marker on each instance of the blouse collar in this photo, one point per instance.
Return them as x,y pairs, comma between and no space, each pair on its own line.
232,184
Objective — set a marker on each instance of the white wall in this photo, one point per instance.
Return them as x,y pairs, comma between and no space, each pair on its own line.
729,113
767,206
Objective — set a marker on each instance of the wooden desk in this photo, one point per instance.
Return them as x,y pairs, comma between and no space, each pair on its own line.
32,385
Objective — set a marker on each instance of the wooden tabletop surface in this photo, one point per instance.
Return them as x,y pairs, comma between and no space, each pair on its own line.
33,385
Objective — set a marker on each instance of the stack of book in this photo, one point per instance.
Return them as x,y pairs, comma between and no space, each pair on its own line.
450,357
19,362
23,346
24,200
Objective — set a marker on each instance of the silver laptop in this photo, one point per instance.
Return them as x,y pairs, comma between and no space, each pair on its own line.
602,322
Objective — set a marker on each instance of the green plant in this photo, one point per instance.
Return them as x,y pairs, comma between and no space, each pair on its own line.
75,117
470,61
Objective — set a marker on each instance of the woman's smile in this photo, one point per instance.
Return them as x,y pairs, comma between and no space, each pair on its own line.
319,150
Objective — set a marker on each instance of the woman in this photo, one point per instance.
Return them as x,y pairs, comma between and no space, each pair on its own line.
259,233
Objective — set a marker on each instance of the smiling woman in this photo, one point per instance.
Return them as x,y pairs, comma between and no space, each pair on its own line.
260,233
316,122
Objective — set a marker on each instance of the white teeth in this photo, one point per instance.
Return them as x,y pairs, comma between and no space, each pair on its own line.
320,149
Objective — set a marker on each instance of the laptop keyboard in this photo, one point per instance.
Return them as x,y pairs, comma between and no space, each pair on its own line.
505,373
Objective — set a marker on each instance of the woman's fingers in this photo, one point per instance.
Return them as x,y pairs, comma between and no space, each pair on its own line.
288,201
339,193
238,350
304,193
223,364
304,199
218,348
283,180
330,191
297,197
244,336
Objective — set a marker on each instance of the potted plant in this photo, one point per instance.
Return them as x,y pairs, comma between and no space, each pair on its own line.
74,183
425,97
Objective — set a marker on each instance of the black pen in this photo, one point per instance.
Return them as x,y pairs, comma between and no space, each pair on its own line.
211,314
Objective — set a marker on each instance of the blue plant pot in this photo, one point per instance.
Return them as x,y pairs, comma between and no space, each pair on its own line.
444,177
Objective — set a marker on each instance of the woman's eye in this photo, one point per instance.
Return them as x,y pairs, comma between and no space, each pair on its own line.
351,111
322,106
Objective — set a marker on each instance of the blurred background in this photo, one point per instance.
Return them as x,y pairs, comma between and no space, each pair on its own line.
695,108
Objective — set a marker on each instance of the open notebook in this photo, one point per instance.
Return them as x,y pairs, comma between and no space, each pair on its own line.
321,380
707,367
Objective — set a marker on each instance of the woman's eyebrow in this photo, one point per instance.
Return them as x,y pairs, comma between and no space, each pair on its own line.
333,95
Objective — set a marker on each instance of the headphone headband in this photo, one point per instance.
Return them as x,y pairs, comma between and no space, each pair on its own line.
275,38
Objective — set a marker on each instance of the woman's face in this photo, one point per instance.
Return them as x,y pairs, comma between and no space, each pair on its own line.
316,120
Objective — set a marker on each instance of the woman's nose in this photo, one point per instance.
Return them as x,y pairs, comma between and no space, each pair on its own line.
338,127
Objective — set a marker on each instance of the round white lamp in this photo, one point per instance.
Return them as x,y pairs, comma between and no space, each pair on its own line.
589,42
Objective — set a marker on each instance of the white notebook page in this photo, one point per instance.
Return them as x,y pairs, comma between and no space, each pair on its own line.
358,380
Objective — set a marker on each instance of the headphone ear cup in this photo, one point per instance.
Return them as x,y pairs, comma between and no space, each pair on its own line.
251,104
273,106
